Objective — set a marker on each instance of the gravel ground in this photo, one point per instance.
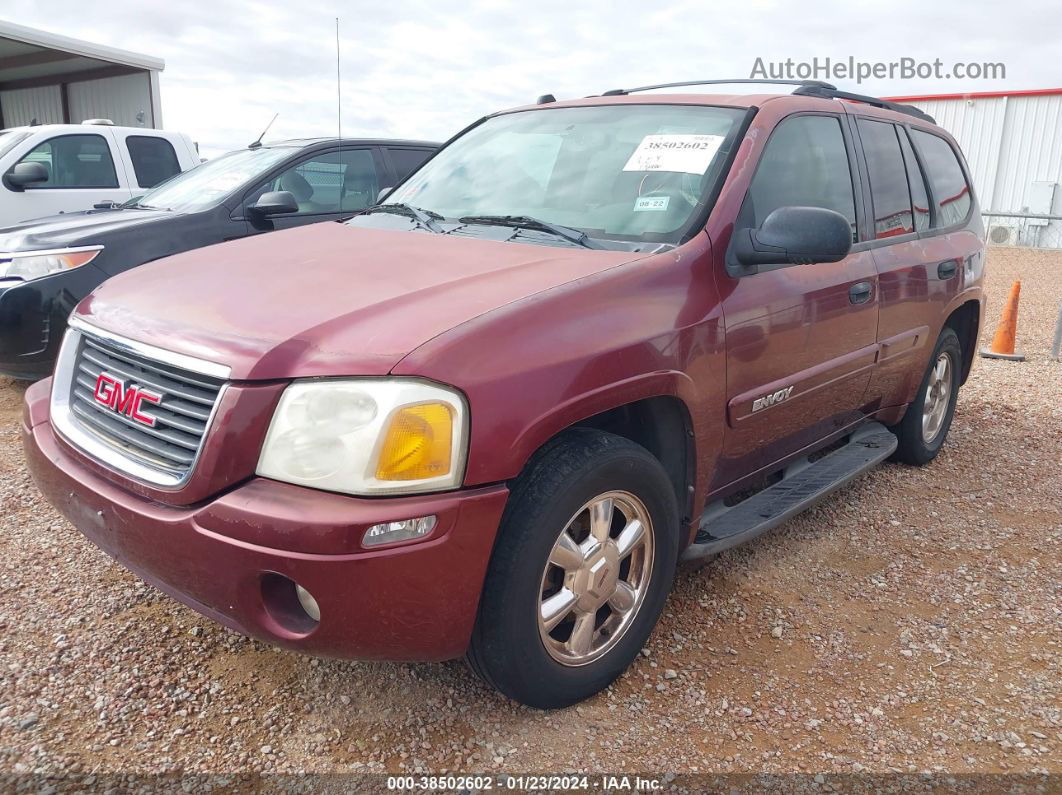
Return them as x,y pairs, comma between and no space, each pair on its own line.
910,623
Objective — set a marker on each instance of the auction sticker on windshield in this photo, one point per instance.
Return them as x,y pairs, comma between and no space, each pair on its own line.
683,154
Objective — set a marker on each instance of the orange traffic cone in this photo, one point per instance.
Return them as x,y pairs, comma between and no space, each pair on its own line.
1003,342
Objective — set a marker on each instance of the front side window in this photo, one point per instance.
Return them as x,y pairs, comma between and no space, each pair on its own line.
889,192
950,189
331,182
805,164
74,161
154,160
624,172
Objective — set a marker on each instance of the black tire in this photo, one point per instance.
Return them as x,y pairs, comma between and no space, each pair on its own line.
507,649
914,448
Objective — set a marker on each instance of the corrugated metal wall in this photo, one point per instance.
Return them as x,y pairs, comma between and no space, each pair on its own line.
1009,142
1013,145
22,105
125,100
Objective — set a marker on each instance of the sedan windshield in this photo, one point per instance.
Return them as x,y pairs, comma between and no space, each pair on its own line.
209,183
625,172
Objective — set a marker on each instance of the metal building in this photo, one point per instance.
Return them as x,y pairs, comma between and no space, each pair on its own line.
1013,144
55,79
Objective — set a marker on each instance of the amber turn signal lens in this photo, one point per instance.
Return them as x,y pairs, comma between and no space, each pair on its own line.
418,443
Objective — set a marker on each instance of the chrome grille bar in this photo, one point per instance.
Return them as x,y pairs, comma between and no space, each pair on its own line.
163,453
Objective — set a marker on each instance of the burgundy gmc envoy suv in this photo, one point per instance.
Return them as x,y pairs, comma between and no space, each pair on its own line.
585,341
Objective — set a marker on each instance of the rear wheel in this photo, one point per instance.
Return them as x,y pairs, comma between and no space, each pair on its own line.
925,425
584,560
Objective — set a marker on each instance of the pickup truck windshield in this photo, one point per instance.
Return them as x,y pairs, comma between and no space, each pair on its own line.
625,172
208,183
8,139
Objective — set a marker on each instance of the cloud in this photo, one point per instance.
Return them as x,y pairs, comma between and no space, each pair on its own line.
421,69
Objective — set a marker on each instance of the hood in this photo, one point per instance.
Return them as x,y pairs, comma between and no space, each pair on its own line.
73,229
327,299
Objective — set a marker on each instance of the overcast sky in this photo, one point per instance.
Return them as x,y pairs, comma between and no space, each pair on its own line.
426,69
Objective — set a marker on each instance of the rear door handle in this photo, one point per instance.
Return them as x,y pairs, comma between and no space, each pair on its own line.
860,292
947,269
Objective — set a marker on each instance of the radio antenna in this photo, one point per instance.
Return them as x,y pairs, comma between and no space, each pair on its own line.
258,141
339,92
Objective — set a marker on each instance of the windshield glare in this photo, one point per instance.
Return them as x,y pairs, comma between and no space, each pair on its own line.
632,172
210,182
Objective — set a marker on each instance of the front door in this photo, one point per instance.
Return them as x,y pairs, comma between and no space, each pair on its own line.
83,170
800,340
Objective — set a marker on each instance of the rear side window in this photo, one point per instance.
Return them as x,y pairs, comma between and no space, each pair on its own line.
154,160
889,192
805,163
74,161
919,195
406,161
950,189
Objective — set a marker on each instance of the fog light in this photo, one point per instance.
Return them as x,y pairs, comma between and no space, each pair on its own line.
309,604
390,532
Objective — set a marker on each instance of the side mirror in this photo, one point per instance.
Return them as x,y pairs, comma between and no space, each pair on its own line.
275,202
24,174
794,236
384,193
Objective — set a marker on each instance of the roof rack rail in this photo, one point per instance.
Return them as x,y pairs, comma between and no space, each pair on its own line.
615,92
830,92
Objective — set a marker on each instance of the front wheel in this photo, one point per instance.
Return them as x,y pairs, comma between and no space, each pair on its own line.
925,424
584,561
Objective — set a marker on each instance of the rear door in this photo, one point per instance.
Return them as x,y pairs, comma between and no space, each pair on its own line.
800,339
83,170
328,186
921,201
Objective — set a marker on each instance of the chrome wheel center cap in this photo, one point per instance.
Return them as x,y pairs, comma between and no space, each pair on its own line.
595,582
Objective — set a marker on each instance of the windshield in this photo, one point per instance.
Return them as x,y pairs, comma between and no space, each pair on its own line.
210,182
629,172
8,139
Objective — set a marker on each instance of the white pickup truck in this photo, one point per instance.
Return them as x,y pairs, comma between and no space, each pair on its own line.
55,168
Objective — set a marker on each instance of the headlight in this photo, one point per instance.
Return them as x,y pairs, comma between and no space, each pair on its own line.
28,265
367,436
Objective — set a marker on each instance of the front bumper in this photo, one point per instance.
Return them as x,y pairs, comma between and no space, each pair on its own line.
33,317
415,601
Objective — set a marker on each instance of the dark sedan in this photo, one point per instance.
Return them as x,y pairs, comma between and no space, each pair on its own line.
49,264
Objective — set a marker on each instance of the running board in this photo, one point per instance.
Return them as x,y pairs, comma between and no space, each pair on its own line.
803,484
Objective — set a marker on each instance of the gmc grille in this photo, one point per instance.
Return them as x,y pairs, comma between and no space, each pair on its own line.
182,415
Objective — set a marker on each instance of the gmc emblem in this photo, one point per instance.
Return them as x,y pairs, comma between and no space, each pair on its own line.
115,395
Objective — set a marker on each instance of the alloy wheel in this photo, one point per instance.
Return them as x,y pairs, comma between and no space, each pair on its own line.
596,578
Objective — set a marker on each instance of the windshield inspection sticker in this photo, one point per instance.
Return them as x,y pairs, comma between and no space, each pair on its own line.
643,203
682,154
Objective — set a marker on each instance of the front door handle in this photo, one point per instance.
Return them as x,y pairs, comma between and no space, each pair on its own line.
947,269
860,292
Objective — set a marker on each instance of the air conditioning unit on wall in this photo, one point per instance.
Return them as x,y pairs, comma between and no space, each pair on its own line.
1003,235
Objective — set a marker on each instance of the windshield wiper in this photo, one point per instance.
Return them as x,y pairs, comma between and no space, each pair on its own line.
139,206
527,222
426,218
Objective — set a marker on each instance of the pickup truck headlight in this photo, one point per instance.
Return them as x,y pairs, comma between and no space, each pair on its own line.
367,436
27,265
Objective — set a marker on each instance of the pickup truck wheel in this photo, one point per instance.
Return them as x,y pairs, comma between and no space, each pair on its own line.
584,560
925,424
